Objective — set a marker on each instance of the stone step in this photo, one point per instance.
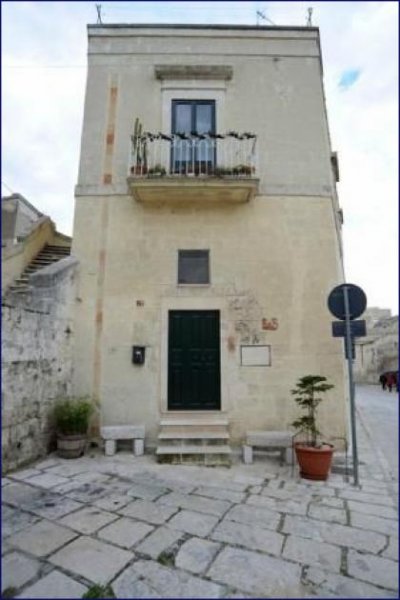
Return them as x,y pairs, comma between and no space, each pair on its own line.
57,248
53,253
194,439
183,449
47,256
43,261
19,288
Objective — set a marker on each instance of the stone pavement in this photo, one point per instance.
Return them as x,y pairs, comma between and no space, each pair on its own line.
164,531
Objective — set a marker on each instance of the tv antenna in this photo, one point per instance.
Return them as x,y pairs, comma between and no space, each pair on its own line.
98,8
261,15
7,186
309,18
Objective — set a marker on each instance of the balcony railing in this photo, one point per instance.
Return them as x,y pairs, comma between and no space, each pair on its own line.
187,155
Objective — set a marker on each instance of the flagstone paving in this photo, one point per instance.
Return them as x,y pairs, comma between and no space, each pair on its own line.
172,531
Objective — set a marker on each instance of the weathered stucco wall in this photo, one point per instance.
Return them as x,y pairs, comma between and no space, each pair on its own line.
37,337
275,257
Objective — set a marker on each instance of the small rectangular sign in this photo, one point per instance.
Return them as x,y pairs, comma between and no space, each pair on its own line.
255,356
357,328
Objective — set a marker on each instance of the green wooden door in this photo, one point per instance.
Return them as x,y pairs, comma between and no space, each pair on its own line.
194,360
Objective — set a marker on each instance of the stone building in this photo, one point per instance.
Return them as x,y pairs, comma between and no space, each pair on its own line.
18,217
378,352
208,231
38,298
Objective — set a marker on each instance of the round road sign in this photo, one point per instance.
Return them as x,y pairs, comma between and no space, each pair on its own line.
357,301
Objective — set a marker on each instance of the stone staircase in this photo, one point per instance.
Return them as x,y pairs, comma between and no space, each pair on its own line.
201,439
47,256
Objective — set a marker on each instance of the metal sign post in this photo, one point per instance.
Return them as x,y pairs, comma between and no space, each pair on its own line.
347,302
351,383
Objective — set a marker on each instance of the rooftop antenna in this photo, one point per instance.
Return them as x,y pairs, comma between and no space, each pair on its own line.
7,186
98,8
309,18
261,15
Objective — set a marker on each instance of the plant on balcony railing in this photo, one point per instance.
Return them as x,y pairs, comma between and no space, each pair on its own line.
243,170
185,154
157,171
238,170
139,147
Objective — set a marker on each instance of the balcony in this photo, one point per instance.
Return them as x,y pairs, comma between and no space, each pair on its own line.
193,167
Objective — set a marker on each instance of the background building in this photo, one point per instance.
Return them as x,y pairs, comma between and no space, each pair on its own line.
378,352
38,298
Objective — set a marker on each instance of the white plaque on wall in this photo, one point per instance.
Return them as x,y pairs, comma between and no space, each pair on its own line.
255,356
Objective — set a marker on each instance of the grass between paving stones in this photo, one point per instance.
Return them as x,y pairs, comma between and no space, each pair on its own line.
99,591
166,558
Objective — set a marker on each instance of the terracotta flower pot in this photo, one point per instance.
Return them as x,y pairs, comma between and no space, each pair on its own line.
315,463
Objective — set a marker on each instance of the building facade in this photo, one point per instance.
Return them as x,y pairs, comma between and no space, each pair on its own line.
378,352
207,227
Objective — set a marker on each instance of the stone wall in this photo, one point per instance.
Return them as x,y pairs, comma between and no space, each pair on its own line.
38,334
378,352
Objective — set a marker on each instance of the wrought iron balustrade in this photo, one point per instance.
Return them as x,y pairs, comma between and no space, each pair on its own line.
181,154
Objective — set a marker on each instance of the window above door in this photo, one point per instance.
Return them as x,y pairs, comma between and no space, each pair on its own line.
193,267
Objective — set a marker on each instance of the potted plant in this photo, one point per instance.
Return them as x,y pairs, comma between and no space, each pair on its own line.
222,172
313,455
139,145
72,422
157,171
246,170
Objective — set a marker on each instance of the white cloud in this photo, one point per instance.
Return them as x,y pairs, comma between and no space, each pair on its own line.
43,108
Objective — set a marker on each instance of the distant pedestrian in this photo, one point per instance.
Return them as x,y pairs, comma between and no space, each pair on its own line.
382,381
390,381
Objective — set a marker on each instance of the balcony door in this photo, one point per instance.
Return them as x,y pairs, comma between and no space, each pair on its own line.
193,118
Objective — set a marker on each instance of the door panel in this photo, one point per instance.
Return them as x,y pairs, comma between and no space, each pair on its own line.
194,360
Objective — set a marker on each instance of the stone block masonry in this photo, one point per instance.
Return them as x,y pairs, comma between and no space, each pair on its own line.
37,337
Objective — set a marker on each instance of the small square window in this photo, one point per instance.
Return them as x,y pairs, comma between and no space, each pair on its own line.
193,266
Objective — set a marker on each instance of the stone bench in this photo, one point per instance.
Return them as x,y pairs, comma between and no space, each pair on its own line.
272,440
113,433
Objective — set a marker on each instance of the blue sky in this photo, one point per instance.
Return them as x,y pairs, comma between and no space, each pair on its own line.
349,78
43,84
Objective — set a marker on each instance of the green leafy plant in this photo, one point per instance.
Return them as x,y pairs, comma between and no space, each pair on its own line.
307,394
72,416
221,171
243,170
157,169
99,591
166,558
